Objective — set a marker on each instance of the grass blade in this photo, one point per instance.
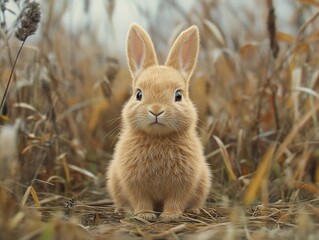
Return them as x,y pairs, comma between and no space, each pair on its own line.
260,174
226,159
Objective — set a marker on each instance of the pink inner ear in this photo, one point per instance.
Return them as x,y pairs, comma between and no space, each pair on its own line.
186,54
138,51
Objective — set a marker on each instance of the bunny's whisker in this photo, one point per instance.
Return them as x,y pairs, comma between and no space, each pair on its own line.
113,120
110,133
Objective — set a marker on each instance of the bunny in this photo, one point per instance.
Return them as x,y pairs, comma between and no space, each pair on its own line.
158,162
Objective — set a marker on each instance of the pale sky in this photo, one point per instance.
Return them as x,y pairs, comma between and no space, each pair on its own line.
126,12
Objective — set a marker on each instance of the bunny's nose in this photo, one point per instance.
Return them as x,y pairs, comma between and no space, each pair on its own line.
155,110
156,114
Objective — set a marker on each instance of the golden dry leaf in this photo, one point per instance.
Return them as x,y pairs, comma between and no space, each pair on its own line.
25,106
16,220
302,163
199,94
248,49
226,159
98,109
282,148
296,82
30,190
27,148
313,37
35,197
35,117
308,91
121,93
4,119
250,56
225,66
216,32
300,55
302,48
304,26
284,37
25,197
308,186
63,160
260,174
106,87
45,138
82,171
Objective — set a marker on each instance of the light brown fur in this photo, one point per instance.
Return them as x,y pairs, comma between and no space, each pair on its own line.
158,163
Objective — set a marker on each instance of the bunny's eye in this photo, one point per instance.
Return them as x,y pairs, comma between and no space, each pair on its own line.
178,96
139,95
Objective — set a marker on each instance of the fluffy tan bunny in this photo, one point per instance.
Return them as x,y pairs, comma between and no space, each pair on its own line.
158,164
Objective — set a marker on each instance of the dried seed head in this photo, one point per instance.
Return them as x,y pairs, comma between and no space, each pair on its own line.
106,88
112,68
29,21
271,25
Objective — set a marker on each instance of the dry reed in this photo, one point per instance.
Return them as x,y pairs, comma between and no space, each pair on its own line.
256,90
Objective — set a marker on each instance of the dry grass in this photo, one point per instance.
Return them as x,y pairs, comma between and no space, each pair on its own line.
256,90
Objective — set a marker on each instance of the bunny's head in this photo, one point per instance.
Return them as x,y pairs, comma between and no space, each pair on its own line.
160,103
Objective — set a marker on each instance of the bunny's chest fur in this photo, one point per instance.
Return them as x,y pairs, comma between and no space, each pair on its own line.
159,164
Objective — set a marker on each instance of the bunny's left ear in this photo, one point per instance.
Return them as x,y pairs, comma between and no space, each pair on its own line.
184,52
140,50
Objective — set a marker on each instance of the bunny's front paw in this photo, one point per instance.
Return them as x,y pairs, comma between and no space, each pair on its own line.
147,216
169,216
195,211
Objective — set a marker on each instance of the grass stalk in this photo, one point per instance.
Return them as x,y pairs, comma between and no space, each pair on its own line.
11,74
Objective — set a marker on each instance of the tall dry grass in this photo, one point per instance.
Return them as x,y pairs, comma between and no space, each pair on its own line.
256,90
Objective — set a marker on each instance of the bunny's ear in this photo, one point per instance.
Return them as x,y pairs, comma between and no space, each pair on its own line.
140,50
184,52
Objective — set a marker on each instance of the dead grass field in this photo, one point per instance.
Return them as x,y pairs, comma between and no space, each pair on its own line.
256,90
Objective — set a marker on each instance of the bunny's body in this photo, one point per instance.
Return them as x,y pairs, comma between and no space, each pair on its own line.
158,162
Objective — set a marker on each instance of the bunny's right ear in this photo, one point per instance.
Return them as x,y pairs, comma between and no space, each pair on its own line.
184,52
140,50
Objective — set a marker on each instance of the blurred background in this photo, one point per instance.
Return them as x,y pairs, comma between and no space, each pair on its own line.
109,20
255,89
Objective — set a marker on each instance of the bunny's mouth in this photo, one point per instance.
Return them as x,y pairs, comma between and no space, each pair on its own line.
156,124
156,121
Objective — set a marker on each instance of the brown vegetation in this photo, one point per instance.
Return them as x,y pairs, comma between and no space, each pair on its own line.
257,95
